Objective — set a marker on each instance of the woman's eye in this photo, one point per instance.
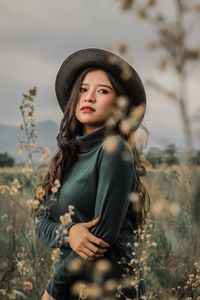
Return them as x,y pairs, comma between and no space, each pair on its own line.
82,89
103,91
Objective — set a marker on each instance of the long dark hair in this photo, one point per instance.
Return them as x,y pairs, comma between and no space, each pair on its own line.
66,153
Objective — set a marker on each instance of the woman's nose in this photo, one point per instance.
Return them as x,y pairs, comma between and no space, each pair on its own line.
90,96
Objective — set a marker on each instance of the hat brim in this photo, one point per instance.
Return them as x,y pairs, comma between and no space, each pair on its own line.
92,57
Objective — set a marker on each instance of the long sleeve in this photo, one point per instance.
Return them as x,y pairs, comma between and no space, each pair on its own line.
48,230
116,180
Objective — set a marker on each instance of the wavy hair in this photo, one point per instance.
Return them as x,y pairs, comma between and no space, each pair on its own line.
66,153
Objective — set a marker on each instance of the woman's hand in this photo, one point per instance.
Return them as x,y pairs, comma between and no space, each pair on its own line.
84,243
46,296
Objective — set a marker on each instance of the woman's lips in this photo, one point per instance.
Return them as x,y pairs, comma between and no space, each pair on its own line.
87,109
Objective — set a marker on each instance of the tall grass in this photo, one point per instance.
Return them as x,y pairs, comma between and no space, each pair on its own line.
169,249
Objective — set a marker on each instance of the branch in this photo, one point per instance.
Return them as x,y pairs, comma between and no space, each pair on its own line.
161,89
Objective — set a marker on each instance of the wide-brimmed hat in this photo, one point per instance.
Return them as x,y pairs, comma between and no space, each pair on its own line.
93,57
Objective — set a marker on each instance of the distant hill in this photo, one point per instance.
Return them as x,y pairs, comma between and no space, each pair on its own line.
46,132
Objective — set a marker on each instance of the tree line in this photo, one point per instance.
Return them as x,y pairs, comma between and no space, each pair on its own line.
156,156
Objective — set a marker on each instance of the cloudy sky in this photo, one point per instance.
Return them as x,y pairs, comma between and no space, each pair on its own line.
37,35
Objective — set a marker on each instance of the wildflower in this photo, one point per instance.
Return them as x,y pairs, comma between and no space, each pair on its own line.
4,217
76,265
33,91
126,73
57,183
30,114
66,218
9,228
126,125
151,45
21,266
134,198
4,188
102,266
27,171
32,145
94,290
153,244
111,121
55,186
21,148
122,102
21,126
159,206
13,190
45,154
79,288
110,144
152,2
142,13
32,205
174,209
16,183
122,47
138,111
27,285
55,254
40,193
110,285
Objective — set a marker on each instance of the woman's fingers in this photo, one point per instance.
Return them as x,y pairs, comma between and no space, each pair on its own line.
90,254
86,244
99,242
97,250
84,256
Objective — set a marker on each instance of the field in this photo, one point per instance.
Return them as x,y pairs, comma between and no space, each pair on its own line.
170,246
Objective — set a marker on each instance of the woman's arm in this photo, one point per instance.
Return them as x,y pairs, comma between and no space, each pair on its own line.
116,180
49,231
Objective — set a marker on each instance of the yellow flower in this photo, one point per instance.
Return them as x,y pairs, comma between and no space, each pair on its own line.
54,189
55,254
40,192
75,265
110,144
102,266
33,204
45,154
66,218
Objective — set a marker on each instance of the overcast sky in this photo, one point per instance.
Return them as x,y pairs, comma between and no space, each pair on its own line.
37,35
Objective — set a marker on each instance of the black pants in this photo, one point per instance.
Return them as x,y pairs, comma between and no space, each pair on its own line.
88,275
126,292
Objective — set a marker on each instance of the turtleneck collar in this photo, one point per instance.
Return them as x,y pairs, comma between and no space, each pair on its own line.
88,141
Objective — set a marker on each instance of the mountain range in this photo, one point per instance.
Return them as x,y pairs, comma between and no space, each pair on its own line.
10,135
46,136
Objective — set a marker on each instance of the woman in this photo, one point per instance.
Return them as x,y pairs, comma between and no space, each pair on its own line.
103,101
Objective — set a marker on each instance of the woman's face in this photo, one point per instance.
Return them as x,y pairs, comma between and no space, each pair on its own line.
98,93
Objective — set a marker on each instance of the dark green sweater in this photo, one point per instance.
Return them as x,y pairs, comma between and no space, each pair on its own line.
97,184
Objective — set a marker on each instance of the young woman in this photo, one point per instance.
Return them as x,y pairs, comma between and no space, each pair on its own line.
98,167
